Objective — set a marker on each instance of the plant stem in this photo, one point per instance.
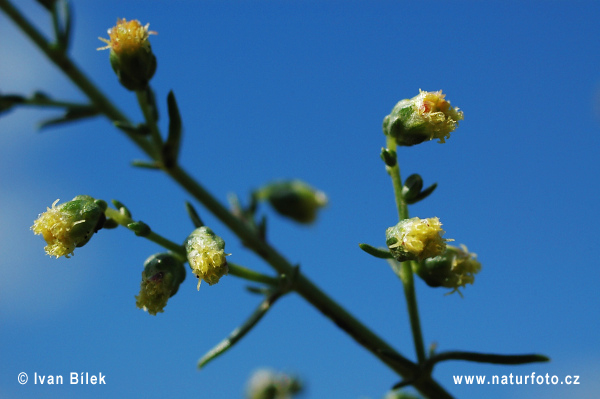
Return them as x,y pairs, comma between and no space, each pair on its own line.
125,221
359,332
179,250
406,273
61,59
394,172
149,111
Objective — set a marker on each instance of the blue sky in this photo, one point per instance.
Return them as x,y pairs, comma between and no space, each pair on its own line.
299,89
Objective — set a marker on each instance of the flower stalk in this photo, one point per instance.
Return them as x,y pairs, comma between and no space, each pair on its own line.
428,107
404,271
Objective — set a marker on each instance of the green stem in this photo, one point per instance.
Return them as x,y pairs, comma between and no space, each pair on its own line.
62,60
149,111
46,102
234,269
126,221
406,273
302,285
394,173
251,275
308,290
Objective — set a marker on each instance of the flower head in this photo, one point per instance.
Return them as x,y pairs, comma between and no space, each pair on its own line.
70,225
294,199
455,268
206,255
268,384
416,239
162,275
131,55
128,37
424,117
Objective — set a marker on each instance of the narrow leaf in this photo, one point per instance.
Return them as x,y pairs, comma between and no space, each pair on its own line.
172,145
193,215
145,164
376,252
239,332
423,194
73,114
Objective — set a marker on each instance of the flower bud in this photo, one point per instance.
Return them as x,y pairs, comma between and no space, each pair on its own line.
162,275
206,255
268,384
455,268
70,225
415,239
424,117
294,199
131,56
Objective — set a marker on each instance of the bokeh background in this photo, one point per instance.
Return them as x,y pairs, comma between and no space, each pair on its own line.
285,89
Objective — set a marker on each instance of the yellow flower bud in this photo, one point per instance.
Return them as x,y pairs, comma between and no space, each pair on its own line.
131,56
162,275
206,255
416,239
424,117
455,268
70,225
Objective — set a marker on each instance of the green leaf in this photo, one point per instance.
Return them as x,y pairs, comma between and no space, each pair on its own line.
239,332
376,252
72,114
423,194
193,215
170,150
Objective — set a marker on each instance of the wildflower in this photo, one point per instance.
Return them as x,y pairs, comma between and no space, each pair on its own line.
268,384
455,268
416,239
294,199
70,225
161,277
206,255
131,56
424,117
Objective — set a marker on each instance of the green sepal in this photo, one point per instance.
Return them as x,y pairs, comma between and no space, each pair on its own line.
166,263
110,224
170,150
101,203
163,274
89,213
134,70
397,252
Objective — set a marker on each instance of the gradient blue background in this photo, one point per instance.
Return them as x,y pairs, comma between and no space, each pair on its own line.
281,89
